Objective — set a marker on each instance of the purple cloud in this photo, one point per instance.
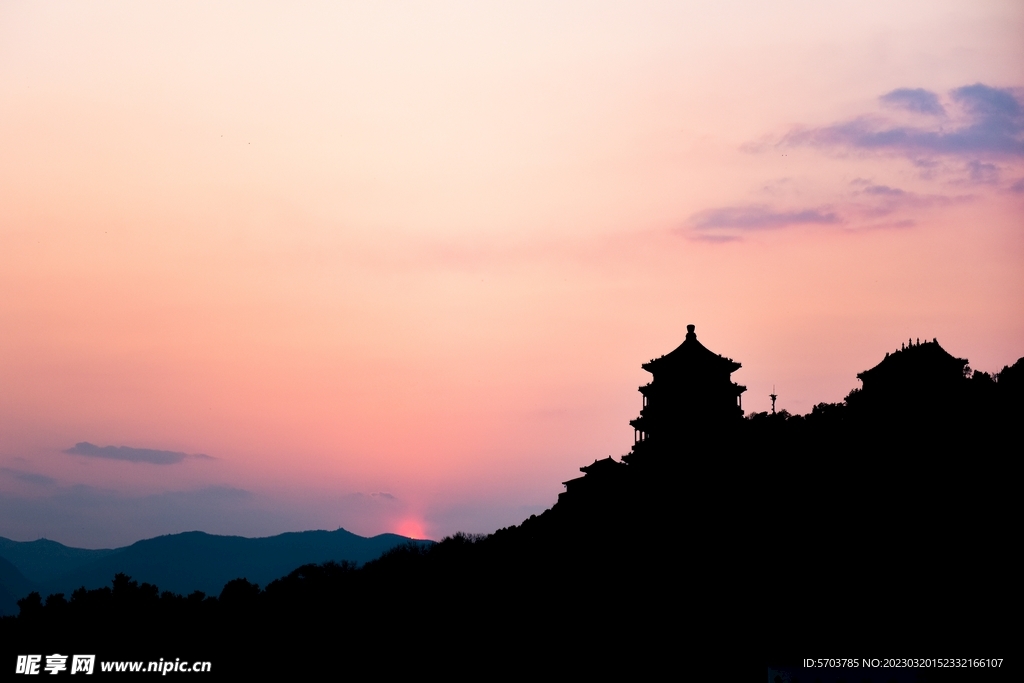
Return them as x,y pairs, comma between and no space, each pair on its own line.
994,126
130,454
989,102
917,100
759,217
29,477
875,201
981,172
864,207
884,191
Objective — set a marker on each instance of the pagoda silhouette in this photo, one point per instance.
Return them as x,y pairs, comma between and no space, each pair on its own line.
690,404
690,397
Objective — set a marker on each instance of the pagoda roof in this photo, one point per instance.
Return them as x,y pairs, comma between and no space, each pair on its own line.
692,354
923,359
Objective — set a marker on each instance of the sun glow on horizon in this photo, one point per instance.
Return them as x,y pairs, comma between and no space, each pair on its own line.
412,528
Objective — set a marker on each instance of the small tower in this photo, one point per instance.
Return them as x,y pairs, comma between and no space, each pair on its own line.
773,396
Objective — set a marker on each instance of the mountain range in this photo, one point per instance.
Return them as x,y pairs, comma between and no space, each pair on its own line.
180,563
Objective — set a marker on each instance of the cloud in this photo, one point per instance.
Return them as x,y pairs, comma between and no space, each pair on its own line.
992,123
917,100
971,136
991,103
877,201
29,477
752,217
130,454
863,207
884,191
981,172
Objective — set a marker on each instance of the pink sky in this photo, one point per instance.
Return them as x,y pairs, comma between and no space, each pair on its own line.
395,266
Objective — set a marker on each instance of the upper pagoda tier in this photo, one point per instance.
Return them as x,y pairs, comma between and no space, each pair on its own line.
692,357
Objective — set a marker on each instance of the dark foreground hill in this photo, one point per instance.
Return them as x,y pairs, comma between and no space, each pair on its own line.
187,562
880,528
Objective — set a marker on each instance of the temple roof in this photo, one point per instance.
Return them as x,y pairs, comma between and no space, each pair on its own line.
603,465
692,354
914,362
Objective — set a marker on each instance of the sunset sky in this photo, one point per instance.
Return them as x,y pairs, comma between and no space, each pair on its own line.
394,266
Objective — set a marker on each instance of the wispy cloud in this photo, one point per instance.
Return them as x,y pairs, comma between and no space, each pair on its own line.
972,136
148,455
981,172
917,100
990,123
878,200
866,206
884,191
872,202
753,217
29,477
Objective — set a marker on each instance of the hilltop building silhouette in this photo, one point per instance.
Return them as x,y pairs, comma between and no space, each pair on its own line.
599,478
690,398
691,393
919,399
919,378
914,367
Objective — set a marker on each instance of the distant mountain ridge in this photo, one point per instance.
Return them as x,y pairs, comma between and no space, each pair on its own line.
42,560
180,563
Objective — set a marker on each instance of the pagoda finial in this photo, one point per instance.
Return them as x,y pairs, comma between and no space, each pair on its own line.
689,332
